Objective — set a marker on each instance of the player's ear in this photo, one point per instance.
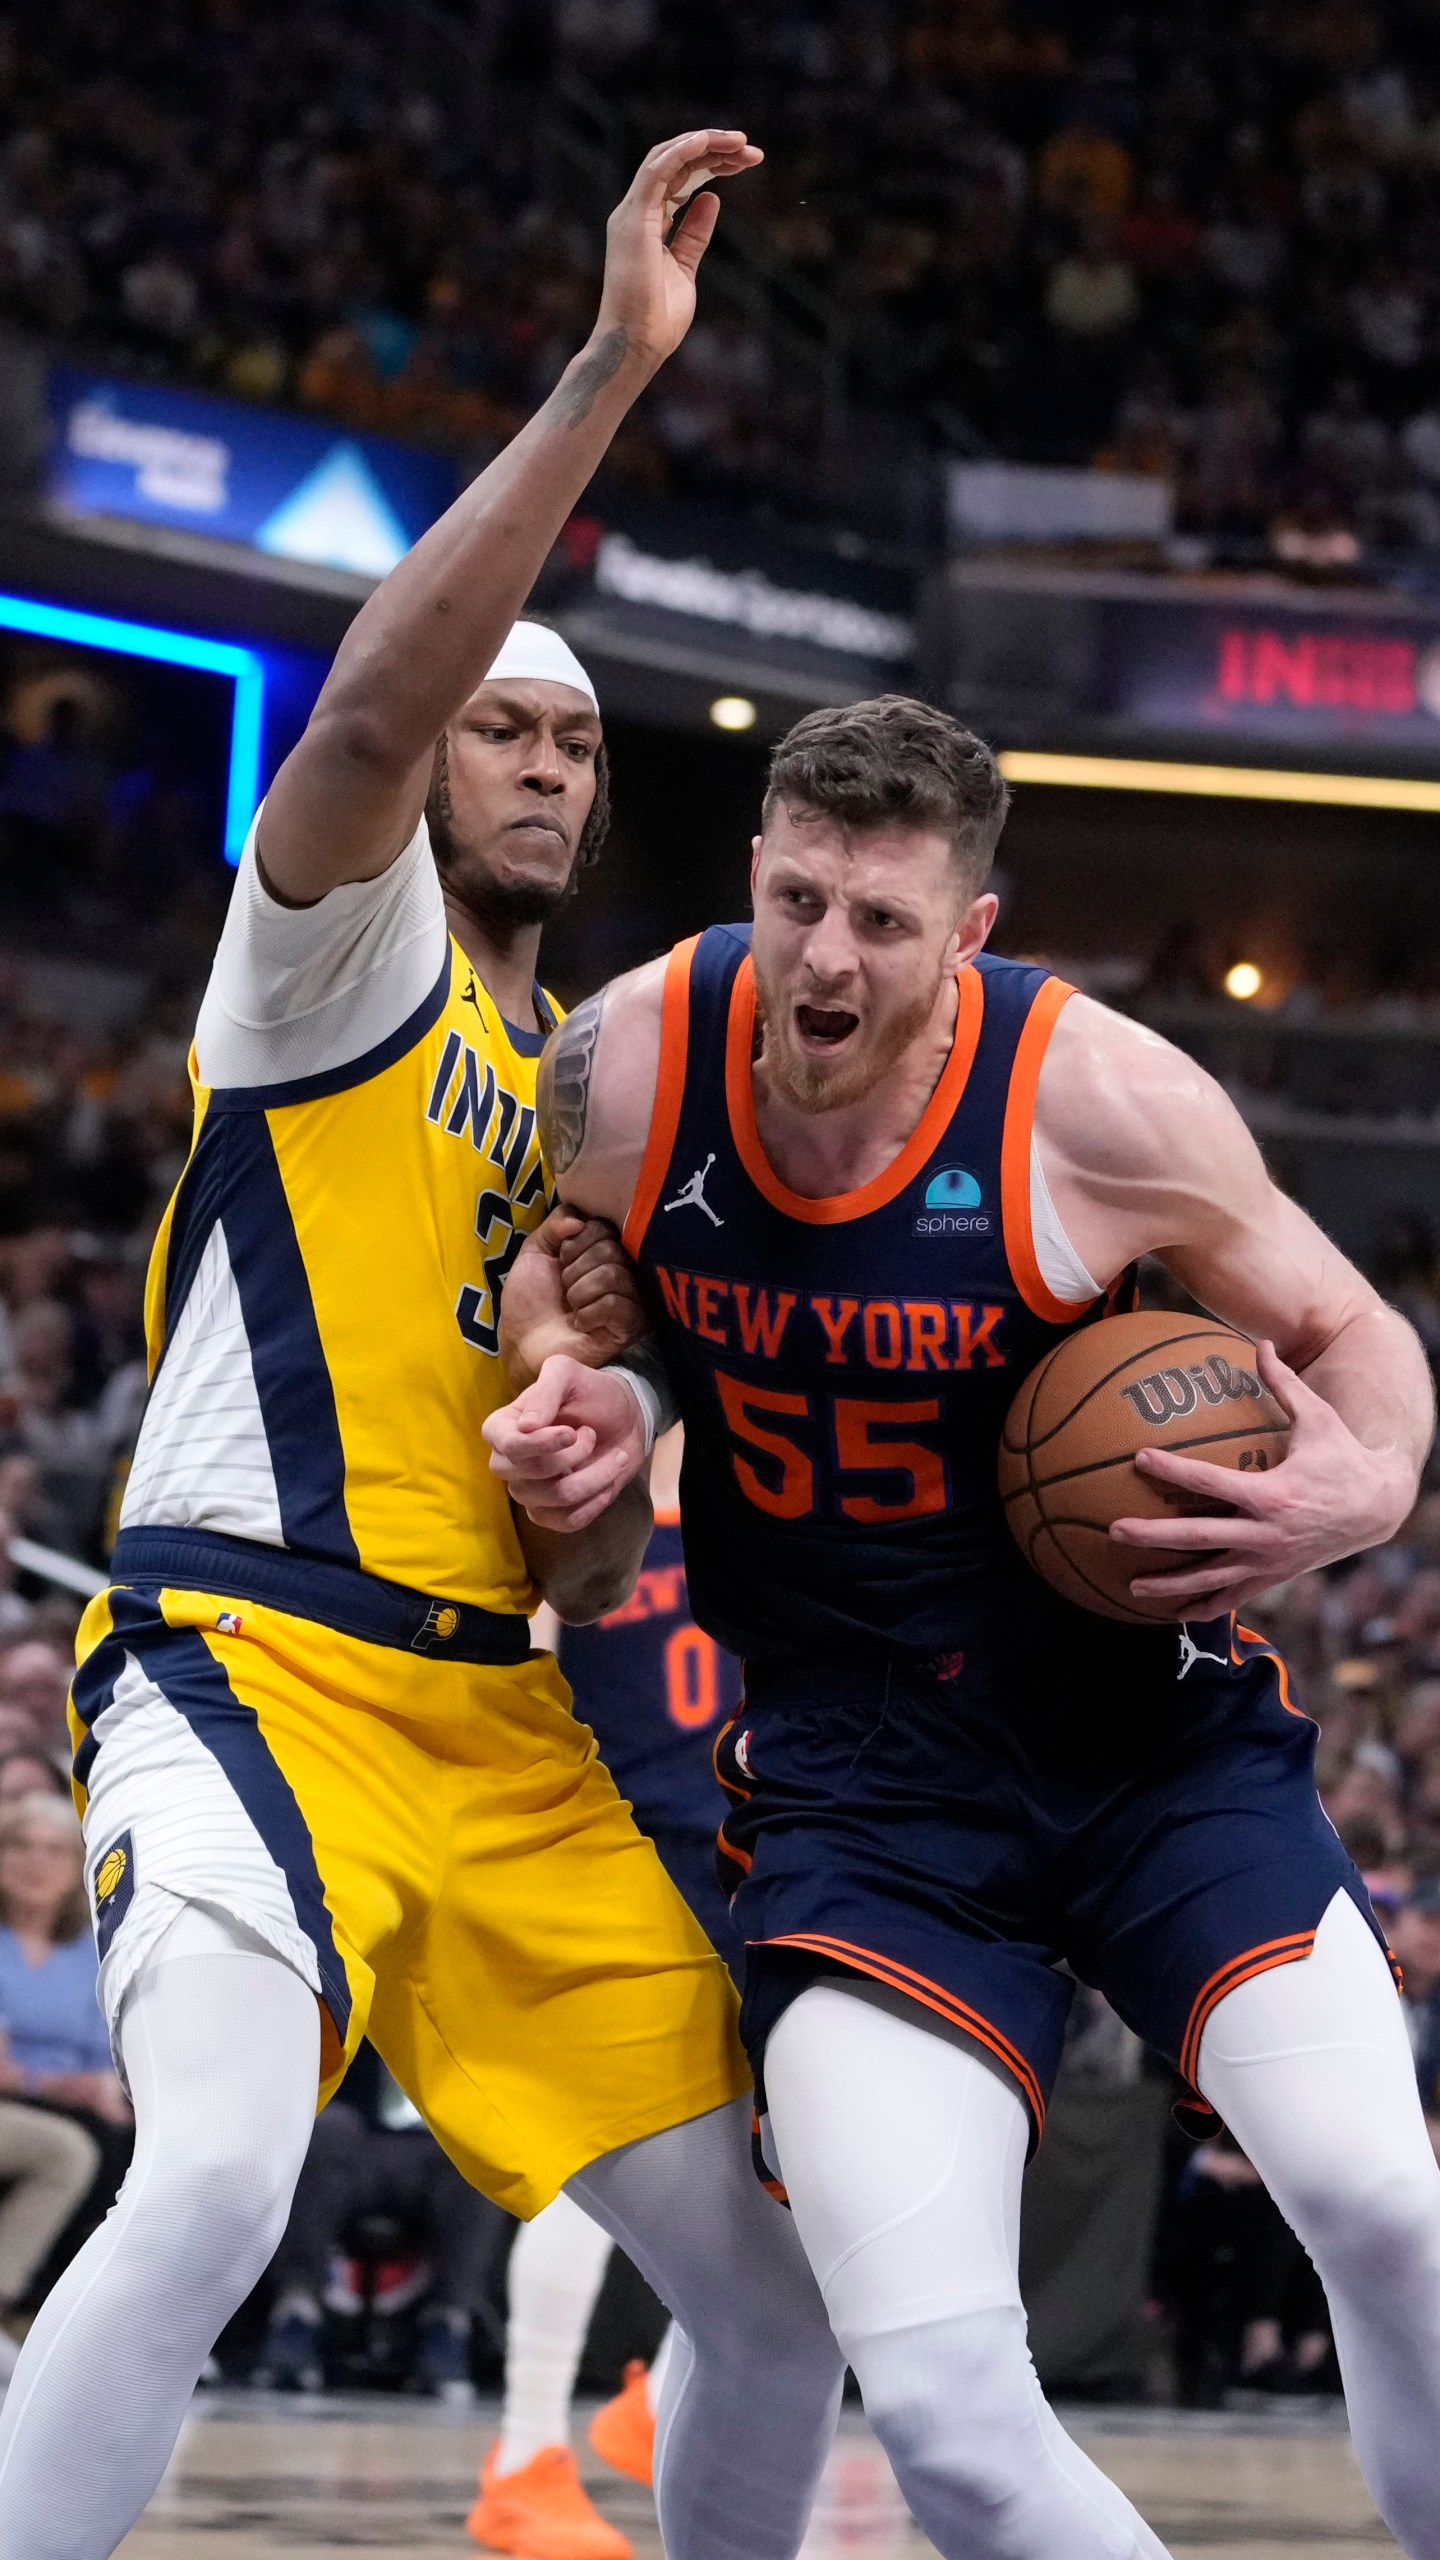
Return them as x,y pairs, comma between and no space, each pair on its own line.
974,927
755,845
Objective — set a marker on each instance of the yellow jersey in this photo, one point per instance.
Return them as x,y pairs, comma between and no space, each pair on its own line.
322,1298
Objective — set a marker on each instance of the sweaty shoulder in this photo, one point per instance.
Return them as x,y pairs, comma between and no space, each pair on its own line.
597,1087
1140,1147
300,991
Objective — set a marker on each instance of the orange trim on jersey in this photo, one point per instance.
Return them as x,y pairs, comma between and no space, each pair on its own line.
738,1857
1282,1668
921,1144
931,1995
1241,1968
1015,1145
667,1518
669,1094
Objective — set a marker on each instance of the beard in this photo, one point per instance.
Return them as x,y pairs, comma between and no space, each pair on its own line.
500,907
815,1085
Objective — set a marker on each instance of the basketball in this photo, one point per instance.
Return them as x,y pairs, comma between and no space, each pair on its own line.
1132,1382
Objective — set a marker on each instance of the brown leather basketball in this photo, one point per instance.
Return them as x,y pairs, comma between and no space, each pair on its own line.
1127,1383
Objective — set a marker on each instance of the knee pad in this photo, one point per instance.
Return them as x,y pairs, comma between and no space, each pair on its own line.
952,2401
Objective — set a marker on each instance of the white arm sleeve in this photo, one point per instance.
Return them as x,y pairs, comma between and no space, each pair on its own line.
298,991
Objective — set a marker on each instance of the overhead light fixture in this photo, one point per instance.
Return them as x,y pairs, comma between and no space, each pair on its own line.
733,711
244,668
1243,981
1222,781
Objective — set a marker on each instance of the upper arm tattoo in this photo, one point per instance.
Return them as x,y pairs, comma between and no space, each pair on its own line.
562,1090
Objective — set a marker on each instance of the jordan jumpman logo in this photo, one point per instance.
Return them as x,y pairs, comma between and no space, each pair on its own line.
1190,1654
691,1195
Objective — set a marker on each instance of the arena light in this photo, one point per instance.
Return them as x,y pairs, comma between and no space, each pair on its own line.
245,670
1243,981
733,711
1222,781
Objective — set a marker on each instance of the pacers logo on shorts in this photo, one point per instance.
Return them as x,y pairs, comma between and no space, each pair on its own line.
114,1889
441,1622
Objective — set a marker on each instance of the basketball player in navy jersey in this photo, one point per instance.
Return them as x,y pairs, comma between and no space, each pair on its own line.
654,1689
869,1176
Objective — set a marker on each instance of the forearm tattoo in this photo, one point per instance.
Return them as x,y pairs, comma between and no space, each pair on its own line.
579,395
643,1360
562,1088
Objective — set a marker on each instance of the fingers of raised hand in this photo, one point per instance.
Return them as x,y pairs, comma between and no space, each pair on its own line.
1197,1595
1227,1487
1192,1532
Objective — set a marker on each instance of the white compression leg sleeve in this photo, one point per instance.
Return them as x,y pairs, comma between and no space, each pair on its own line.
557,2267
1310,2067
902,2153
221,2047
752,2389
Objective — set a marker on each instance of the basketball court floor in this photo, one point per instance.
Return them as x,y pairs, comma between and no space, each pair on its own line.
255,2478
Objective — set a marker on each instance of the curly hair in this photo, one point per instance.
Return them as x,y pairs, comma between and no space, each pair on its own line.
894,761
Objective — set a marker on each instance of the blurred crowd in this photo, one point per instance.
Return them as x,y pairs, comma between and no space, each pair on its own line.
1204,248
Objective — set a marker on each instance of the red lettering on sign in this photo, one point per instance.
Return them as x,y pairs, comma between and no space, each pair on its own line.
1318,671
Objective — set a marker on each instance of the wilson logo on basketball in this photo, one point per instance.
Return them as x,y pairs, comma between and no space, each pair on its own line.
1167,1395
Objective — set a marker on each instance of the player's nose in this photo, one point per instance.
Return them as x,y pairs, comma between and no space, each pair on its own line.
830,953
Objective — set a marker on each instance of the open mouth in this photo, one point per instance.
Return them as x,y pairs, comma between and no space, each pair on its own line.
824,1026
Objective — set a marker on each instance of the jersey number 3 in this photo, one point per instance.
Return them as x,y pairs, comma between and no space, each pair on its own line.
868,1437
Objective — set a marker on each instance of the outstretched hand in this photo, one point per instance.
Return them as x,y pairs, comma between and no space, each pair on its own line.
1329,1497
650,258
568,1444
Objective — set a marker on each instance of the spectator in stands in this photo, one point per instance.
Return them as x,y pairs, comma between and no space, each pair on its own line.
35,1685
25,1771
48,2166
1415,1936
370,2153
56,2053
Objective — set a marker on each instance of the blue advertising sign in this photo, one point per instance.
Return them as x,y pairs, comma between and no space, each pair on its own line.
299,488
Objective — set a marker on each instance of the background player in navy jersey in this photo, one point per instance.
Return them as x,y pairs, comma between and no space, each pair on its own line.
869,1176
655,1690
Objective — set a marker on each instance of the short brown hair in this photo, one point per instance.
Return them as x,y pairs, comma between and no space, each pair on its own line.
894,762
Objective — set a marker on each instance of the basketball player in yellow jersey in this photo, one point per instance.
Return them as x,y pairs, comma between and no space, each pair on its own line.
327,1787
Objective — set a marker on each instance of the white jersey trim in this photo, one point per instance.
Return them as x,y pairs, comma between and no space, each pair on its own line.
1061,1268
203,1458
300,991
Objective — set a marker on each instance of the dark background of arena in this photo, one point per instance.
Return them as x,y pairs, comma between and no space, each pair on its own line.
1126,244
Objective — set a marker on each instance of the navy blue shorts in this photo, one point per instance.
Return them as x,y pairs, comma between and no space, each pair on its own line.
688,1858
914,1822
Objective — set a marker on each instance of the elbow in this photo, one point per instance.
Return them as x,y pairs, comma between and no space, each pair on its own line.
582,1597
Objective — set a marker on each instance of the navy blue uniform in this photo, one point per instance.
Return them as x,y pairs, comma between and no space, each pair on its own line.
943,1775
656,1689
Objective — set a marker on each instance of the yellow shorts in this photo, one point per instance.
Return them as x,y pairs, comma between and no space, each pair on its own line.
433,1844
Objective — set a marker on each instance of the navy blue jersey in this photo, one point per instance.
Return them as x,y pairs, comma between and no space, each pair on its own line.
845,1365
655,1690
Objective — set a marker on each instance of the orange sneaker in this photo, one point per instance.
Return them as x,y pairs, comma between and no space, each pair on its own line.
542,2512
623,2432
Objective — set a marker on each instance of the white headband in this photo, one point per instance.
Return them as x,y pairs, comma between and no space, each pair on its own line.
531,650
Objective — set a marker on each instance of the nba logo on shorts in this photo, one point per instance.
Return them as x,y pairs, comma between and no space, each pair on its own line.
953,1205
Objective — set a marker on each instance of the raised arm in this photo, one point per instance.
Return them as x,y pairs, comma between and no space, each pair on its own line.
1144,1153
348,798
